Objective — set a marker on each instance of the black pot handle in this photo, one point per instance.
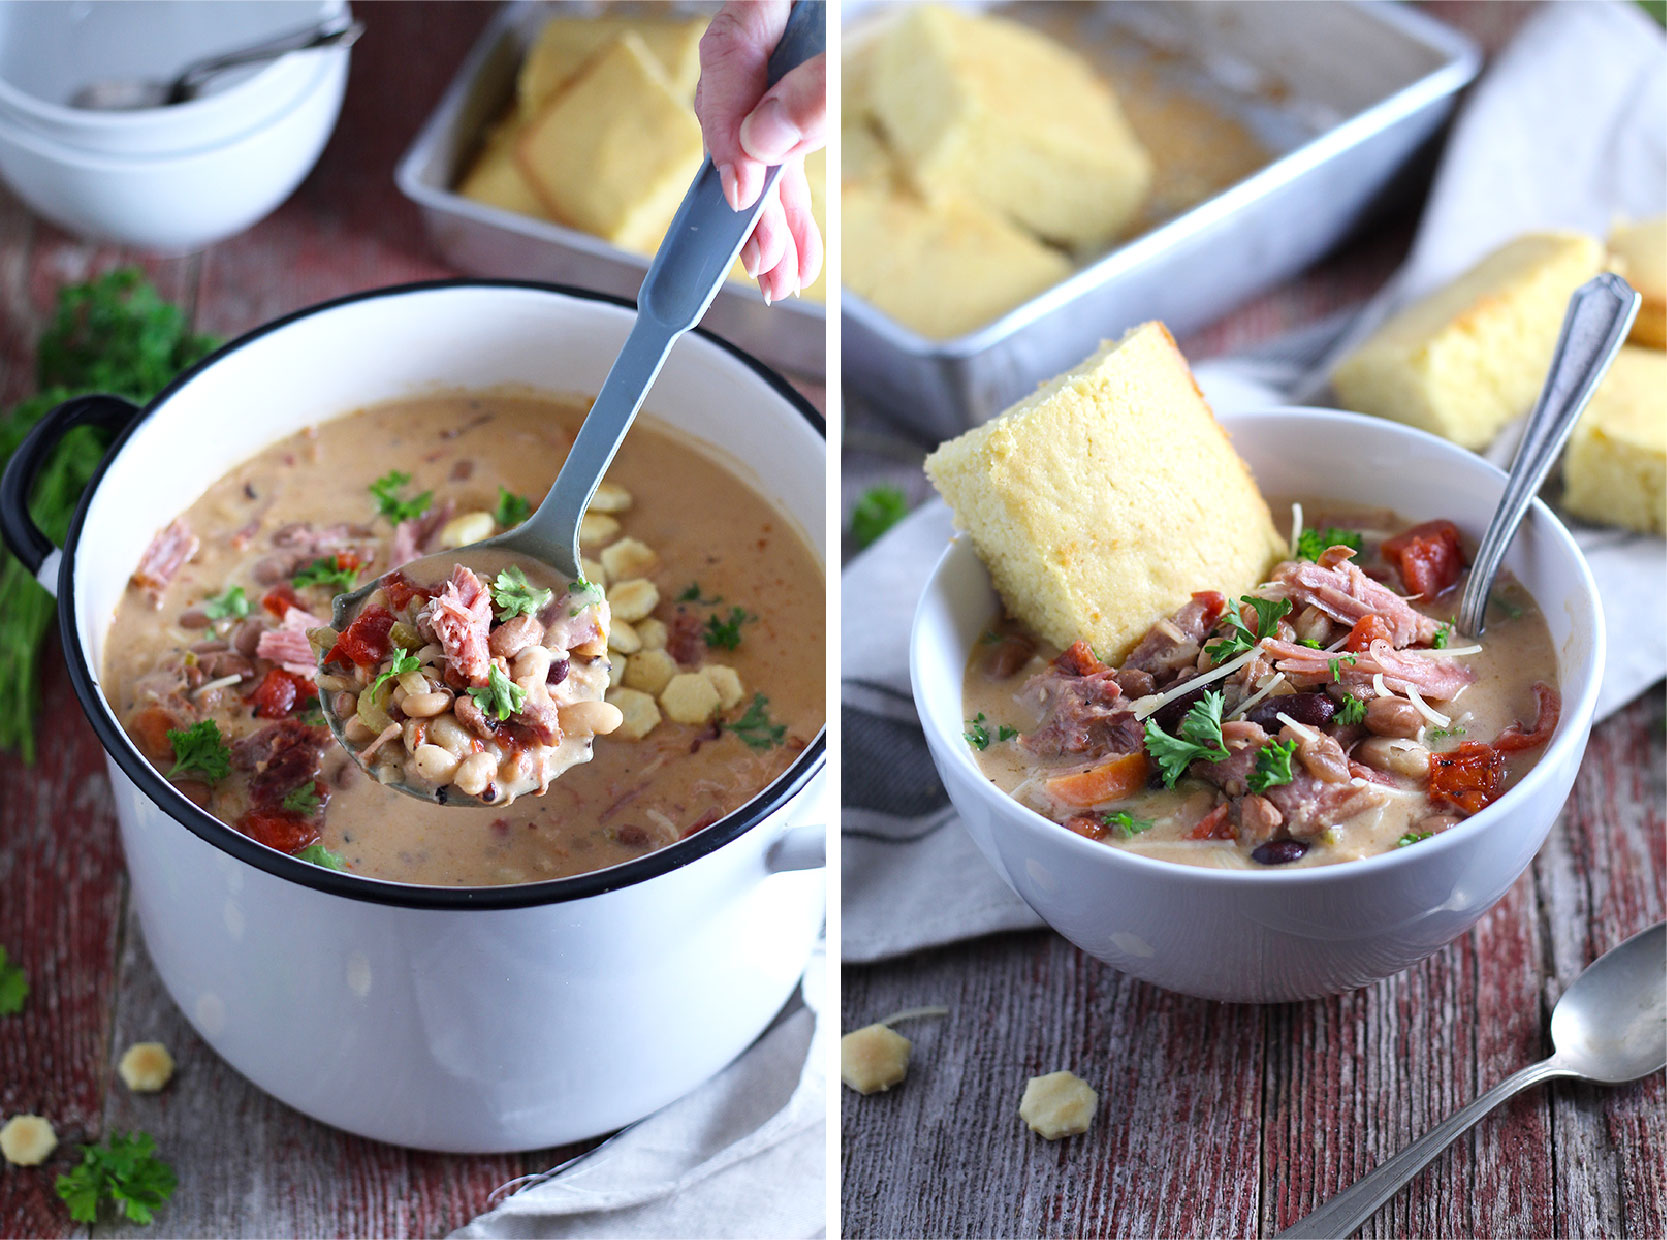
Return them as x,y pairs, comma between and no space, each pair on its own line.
23,537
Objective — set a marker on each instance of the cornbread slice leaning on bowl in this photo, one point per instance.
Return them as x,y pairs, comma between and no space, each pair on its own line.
496,178
1639,250
1103,501
1468,358
565,44
984,108
1615,472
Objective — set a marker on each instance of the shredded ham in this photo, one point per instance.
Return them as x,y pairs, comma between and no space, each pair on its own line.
165,556
388,734
461,617
289,649
1338,588
1442,679
403,549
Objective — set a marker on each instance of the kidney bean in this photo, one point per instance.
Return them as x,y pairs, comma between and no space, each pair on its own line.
1279,852
1313,709
1170,714
557,672
1393,716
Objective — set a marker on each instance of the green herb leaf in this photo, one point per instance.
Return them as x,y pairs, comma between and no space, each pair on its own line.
516,596
1353,710
1436,734
1311,544
234,603
1238,638
1439,641
125,1170
385,491
582,594
303,799
1336,665
876,511
319,855
1511,610
404,661
1200,737
313,716
726,634
1006,733
500,696
1309,642
512,508
692,595
977,735
1273,766
1413,837
325,571
1126,824
202,749
755,729
14,986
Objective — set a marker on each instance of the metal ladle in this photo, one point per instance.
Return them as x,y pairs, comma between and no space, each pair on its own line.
690,266
1609,1027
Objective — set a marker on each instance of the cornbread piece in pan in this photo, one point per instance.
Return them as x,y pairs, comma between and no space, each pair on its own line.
984,108
497,179
1468,358
942,269
566,43
1103,501
614,152
1640,251
1616,469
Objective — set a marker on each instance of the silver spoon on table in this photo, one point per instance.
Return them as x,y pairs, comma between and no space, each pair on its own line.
1609,1027
128,94
690,266
1599,316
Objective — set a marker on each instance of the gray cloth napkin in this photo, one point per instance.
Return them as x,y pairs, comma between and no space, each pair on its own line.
1568,128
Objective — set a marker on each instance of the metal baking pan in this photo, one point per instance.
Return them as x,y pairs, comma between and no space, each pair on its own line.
484,240
1345,94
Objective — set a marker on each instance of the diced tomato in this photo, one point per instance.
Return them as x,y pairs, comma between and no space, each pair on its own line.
1087,826
279,599
282,829
152,724
349,559
277,694
1368,629
1545,722
365,641
1429,557
1467,778
1215,605
401,590
1215,825
1080,660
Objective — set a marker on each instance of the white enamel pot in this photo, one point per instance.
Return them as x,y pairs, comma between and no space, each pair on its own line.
476,1019
1273,935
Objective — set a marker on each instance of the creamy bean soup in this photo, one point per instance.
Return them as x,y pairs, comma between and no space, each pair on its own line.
210,668
1331,714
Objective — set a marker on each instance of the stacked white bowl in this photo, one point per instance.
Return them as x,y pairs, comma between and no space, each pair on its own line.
175,178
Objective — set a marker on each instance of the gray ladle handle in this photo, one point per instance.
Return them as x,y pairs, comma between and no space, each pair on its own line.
1599,316
1344,1213
691,265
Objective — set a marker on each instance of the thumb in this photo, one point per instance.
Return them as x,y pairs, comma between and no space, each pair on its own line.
792,118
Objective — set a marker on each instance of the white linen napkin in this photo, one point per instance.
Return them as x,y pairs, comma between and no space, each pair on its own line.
744,1155
1568,128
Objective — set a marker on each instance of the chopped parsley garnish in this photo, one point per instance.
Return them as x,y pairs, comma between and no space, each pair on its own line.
692,595
126,1170
1439,641
234,603
1438,733
755,728
202,749
317,854
876,511
516,596
1312,544
1413,837
385,491
1273,766
404,661
1353,709
1337,665
512,508
303,799
1238,638
581,594
1126,824
1309,642
500,696
1200,737
1511,610
726,634
14,986
326,571
313,716
977,735
1006,732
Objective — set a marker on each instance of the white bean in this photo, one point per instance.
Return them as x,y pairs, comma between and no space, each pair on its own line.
475,772
446,732
434,764
425,705
356,731
591,718
532,663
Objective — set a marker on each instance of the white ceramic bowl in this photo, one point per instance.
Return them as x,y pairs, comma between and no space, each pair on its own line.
462,1019
49,48
1277,935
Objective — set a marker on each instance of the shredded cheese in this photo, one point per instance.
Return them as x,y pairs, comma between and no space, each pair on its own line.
217,684
1448,654
1296,528
1378,687
1302,729
1274,681
1159,700
1434,716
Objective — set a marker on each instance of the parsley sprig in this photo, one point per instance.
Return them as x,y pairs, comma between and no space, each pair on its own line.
126,1170
1126,824
385,491
1413,837
977,735
202,749
725,634
1442,634
755,728
14,986
514,595
326,571
1312,544
500,696
512,508
403,661
234,603
303,799
1200,737
317,854
1238,638
693,595
876,511
1353,710
1273,766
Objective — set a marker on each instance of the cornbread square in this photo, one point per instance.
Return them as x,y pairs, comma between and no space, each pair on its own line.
1640,251
497,180
942,269
1101,503
614,152
1060,1104
985,108
873,1058
1616,469
566,43
1468,358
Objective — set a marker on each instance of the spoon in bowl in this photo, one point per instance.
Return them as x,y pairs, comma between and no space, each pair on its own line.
1610,1026
1599,316
693,260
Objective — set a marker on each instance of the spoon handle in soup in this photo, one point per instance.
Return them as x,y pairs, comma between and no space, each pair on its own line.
1344,1213
1599,316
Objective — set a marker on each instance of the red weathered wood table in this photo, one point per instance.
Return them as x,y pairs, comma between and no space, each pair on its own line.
1235,1120
247,1165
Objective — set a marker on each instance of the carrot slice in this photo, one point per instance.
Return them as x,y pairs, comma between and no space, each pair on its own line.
1116,779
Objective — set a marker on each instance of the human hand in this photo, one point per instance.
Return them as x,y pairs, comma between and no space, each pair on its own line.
748,130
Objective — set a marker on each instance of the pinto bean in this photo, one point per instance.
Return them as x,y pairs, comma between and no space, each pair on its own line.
1313,709
1394,755
514,635
1393,716
1321,757
195,620
246,637
1435,824
1313,625
1008,655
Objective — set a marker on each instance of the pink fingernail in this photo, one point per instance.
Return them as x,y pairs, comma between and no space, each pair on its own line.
769,133
749,179
726,178
749,257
